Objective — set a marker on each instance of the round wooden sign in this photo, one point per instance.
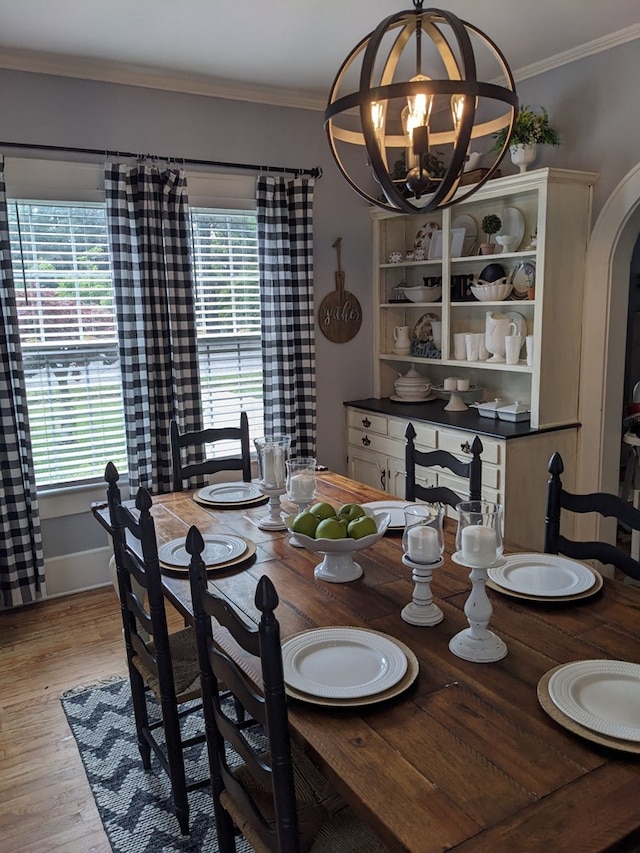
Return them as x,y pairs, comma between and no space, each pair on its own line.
340,314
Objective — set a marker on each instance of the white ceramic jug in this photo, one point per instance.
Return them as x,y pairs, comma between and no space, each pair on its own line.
498,326
402,344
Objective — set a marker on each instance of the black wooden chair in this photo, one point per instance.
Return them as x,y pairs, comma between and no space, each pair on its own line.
275,797
607,505
166,664
472,470
189,458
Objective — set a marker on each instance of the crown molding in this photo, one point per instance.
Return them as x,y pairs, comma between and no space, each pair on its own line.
155,78
196,84
581,52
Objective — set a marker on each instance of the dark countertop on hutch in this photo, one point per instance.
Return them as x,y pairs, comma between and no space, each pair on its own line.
433,412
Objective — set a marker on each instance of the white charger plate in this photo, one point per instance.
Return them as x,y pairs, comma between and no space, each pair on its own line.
218,549
543,575
512,224
229,493
395,510
602,695
339,662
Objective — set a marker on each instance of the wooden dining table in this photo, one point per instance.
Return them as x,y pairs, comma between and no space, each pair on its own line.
466,759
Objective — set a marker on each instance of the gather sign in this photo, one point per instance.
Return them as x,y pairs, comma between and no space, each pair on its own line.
340,314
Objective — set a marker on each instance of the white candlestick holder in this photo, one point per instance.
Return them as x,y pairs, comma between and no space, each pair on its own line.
273,520
479,543
301,486
421,610
423,546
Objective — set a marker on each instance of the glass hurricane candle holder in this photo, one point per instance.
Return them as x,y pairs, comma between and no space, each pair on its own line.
422,546
479,546
301,485
272,455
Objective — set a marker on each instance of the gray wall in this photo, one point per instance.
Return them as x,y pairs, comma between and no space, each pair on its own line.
592,102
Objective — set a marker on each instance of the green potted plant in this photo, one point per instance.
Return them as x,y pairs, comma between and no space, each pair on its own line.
532,128
491,224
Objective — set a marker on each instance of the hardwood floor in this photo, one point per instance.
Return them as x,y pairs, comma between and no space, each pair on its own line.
46,804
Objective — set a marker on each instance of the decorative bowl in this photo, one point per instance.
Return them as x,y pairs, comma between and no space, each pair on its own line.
495,292
338,565
423,294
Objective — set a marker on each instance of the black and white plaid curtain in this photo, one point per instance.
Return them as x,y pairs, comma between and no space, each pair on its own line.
148,221
21,558
285,249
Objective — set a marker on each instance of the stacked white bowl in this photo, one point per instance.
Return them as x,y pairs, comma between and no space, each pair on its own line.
412,387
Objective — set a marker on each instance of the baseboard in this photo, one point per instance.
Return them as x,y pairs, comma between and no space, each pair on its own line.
78,572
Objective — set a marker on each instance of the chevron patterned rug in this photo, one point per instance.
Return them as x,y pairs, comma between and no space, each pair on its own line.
135,804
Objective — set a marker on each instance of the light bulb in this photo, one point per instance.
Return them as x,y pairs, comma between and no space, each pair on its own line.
377,115
420,105
457,110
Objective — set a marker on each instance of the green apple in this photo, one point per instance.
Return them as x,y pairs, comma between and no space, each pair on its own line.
330,528
305,522
323,510
351,511
363,526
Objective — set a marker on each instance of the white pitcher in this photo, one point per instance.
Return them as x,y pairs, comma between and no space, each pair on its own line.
402,343
498,326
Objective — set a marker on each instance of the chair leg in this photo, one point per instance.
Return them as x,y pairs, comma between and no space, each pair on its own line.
175,759
140,714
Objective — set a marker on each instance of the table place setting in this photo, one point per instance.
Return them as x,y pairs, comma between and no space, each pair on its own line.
546,578
596,699
235,495
221,552
346,666
395,508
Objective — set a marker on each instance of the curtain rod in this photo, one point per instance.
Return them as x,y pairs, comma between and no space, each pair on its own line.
316,172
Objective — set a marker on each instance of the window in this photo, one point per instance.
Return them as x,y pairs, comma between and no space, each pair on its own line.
225,253
66,313
65,306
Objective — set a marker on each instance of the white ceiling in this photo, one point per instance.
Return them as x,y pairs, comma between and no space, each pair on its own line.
276,51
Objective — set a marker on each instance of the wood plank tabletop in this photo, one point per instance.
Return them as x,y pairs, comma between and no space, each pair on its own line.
466,759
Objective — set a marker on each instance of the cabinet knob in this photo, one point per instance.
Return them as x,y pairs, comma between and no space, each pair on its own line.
366,423
366,440
465,447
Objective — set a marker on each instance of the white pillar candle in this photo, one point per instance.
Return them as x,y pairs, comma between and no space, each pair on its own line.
273,467
479,545
423,545
302,487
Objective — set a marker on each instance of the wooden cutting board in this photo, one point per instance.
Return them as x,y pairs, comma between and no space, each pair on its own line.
340,314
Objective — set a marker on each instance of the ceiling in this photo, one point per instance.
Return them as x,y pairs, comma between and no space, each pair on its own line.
276,51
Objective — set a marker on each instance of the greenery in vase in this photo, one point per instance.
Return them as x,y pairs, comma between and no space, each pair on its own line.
491,224
532,126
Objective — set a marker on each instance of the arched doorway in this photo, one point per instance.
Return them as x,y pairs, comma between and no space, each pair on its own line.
603,340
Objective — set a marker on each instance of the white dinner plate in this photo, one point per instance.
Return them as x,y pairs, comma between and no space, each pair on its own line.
229,493
543,575
602,695
470,232
217,549
512,224
341,662
395,510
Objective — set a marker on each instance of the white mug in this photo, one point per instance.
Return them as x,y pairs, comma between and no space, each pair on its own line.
459,346
512,347
529,344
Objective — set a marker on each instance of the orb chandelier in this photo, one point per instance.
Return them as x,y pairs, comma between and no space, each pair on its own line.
416,104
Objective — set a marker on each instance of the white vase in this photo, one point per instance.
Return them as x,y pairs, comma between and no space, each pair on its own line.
523,155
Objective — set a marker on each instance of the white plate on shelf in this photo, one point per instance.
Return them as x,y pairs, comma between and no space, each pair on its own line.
543,575
470,232
339,662
522,277
437,242
218,549
602,695
512,224
395,510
